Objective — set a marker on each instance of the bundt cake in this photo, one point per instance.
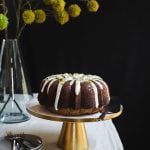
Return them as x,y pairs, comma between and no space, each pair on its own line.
74,94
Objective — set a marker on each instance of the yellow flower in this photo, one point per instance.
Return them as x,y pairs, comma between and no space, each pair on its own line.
3,22
62,17
58,5
74,10
92,5
40,16
48,2
28,16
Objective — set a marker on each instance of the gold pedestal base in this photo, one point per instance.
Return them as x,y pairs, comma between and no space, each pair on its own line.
73,136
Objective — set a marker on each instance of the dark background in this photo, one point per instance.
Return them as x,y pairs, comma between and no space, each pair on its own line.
114,44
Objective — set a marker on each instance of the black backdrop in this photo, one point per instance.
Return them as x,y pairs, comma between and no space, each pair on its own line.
113,43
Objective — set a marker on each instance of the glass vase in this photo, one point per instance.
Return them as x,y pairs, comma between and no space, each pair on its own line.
15,90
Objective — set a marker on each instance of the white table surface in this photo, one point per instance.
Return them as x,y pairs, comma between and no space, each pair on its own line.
101,135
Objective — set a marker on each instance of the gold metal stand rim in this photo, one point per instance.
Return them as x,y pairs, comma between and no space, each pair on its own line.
40,112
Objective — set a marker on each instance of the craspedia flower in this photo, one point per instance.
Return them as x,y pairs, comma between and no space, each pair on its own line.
40,16
28,16
74,10
58,5
48,2
62,17
92,5
3,21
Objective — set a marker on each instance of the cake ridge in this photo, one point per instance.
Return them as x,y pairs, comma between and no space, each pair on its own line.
95,94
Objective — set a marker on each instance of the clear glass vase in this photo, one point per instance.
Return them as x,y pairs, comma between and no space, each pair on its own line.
15,90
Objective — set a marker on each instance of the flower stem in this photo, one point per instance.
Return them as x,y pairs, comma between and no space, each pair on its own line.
27,3
20,31
18,17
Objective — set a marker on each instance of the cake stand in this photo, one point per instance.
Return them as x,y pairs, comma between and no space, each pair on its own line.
73,133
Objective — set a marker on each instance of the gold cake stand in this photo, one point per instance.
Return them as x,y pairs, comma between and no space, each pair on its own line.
73,133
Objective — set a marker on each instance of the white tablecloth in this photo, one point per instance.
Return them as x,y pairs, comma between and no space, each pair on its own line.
101,135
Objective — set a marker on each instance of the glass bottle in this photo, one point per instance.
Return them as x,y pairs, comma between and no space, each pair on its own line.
15,90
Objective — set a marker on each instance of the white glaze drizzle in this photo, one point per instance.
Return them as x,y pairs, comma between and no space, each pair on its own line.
77,87
101,87
46,80
50,83
71,82
78,79
60,85
95,94
99,84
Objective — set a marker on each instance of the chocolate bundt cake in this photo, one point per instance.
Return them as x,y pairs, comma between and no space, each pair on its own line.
74,94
